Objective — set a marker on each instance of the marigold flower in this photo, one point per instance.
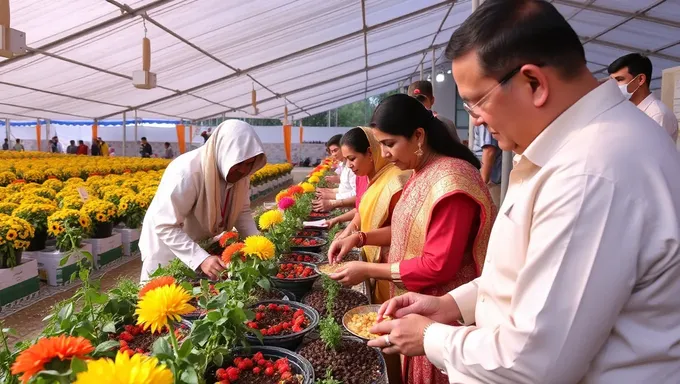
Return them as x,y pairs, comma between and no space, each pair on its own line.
230,251
161,305
33,360
155,283
270,218
260,247
135,369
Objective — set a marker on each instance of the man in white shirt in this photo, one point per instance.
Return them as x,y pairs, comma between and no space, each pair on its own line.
345,194
581,281
633,72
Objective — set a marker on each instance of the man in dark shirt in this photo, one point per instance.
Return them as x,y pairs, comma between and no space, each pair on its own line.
5,145
422,91
96,151
145,148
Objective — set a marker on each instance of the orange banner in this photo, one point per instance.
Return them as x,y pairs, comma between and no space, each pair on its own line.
37,135
287,142
301,133
181,141
94,131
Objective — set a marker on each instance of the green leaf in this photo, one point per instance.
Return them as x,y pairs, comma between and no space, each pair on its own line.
200,333
64,259
218,359
161,347
66,311
189,376
104,347
109,327
264,283
185,349
214,316
78,365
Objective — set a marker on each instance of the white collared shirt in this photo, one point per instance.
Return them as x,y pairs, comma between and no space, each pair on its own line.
348,184
582,275
660,113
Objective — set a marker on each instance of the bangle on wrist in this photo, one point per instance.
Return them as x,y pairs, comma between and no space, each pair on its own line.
362,239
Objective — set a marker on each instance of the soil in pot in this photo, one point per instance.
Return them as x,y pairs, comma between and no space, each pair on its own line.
135,340
273,294
259,370
346,300
279,320
352,363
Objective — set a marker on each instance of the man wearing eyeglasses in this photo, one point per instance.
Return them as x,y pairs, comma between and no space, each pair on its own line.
581,279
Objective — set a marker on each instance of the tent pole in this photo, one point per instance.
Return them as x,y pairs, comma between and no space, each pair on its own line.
434,67
48,126
135,126
7,131
124,133
471,124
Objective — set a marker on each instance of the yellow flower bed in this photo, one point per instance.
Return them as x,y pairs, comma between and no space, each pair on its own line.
270,172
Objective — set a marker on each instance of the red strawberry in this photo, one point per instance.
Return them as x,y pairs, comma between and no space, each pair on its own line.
280,276
286,308
269,371
258,356
221,374
248,363
232,373
243,366
252,325
286,376
259,316
286,325
262,363
257,370
272,306
126,336
284,368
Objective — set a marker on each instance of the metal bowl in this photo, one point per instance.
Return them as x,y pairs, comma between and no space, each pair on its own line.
358,311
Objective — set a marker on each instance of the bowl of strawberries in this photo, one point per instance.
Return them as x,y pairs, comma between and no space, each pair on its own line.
303,257
281,323
308,244
262,365
296,277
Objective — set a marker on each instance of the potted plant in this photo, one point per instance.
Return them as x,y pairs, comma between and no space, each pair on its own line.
281,323
15,236
102,214
130,211
263,365
332,299
36,215
69,227
295,277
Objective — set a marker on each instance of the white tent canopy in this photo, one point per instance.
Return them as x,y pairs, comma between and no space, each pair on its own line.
311,55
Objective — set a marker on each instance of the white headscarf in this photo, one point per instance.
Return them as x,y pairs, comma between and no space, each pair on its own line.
232,142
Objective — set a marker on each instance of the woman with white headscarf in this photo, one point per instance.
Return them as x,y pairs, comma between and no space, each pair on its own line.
202,193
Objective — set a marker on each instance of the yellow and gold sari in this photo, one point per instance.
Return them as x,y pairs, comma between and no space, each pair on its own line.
374,208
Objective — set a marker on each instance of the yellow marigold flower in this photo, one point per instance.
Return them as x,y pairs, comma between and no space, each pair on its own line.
260,247
135,369
270,218
313,179
161,305
317,174
307,187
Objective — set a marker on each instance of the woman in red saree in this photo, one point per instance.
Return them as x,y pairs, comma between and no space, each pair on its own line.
440,226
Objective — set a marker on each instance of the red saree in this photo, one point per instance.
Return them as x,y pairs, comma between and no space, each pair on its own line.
453,181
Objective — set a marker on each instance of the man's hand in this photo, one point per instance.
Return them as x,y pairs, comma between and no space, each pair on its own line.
333,179
405,335
324,194
440,309
341,247
213,267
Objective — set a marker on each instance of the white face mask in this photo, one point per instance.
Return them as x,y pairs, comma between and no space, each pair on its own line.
624,89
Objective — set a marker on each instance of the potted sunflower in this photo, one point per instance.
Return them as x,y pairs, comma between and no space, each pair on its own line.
69,227
15,236
36,215
102,214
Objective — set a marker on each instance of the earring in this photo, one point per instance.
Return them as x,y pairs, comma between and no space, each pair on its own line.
419,152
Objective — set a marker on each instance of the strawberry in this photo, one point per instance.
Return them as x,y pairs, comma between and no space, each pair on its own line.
232,374
221,374
248,363
242,366
286,375
283,368
262,363
272,306
280,276
257,370
126,336
269,371
258,356
259,316
286,308
261,307
252,325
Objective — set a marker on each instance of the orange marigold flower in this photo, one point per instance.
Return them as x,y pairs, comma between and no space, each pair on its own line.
155,283
230,251
33,360
227,238
296,190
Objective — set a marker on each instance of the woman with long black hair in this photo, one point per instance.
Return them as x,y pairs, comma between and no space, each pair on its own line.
440,227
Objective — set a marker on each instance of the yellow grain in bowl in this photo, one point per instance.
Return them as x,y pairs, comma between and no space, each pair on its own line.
361,323
328,269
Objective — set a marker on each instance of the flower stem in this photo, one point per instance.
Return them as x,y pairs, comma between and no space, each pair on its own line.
173,340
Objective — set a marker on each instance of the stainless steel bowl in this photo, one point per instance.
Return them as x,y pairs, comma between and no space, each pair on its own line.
358,311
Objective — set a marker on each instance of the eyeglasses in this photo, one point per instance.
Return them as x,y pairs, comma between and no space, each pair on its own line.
471,109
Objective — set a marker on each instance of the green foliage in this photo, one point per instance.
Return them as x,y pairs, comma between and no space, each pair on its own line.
251,272
177,269
332,288
330,332
328,379
7,357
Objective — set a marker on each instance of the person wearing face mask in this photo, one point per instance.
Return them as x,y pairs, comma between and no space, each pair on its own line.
202,193
581,278
633,73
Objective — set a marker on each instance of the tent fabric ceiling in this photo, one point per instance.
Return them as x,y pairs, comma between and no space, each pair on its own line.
310,55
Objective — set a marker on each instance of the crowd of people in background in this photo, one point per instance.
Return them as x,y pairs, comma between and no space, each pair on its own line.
98,147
